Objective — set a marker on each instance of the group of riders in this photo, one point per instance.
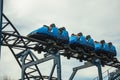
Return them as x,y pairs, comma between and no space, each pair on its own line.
61,36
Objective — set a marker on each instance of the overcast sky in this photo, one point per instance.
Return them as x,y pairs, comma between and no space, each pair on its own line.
99,18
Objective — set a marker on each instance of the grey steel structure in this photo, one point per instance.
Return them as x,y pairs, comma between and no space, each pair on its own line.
115,75
22,47
95,62
86,65
25,58
1,11
56,62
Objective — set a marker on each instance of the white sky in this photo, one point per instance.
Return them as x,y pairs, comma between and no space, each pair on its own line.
99,18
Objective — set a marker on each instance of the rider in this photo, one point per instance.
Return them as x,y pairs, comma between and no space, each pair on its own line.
64,35
73,39
105,48
98,46
81,38
90,42
112,49
54,31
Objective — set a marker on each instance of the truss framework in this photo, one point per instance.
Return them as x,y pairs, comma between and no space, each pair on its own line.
21,47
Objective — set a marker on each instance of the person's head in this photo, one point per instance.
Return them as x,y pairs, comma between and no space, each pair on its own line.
52,25
110,44
72,34
102,41
62,28
96,42
80,34
88,37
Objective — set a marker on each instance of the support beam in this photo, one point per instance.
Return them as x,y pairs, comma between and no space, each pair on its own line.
23,68
52,71
86,65
55,57
1,11
58,62
73,74
39,61
98,65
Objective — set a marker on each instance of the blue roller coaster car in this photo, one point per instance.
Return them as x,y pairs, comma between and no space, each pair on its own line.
59,35
80,42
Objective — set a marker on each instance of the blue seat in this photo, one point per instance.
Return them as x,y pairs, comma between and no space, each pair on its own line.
63,36
84,44
80,41
98,46
90,42
42,30
113,50
40,33
73,40
54,32
104,49
83,40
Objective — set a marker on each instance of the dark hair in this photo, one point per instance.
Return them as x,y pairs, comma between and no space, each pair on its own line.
52,25
62,28
96,41
80,34
110,43
72,34
88,36
102,41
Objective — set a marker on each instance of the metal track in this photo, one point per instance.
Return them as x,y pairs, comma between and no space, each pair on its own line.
19,44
